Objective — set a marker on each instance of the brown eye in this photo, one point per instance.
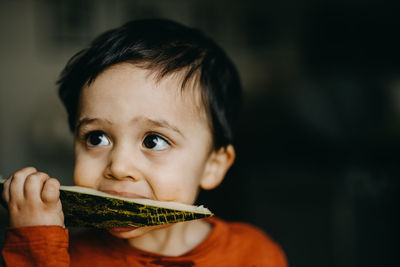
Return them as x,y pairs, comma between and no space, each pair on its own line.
155,142
97,138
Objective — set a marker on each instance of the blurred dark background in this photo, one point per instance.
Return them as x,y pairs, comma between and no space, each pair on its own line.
317,164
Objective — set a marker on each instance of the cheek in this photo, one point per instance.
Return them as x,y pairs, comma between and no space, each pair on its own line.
177,192
80,173
178,182
86,171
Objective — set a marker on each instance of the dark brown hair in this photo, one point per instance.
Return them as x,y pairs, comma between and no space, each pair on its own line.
166,47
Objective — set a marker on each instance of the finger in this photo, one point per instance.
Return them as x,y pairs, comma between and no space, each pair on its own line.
33,186
6,190
17,183
51,191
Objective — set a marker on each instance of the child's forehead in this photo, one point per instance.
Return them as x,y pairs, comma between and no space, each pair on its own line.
176,82
186,91
190,89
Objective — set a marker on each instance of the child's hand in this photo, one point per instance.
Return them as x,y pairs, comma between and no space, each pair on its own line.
33,198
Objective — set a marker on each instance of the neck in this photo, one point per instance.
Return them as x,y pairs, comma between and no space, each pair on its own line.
174,240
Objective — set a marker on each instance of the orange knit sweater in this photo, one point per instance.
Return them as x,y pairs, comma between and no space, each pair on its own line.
229,244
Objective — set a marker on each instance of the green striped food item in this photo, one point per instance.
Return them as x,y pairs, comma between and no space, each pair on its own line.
86,207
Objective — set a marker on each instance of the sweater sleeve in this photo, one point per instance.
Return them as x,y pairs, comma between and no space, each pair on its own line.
43,246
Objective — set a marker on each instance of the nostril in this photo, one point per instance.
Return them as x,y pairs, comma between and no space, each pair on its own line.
113,173
121,165
109,176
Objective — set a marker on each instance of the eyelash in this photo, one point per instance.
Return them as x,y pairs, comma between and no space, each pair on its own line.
85,135
158,135
89,134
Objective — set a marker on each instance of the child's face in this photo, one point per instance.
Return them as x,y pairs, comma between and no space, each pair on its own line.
140,138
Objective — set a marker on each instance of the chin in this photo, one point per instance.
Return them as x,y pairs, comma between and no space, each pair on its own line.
132,232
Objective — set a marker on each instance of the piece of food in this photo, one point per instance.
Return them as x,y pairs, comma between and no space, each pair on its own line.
86,207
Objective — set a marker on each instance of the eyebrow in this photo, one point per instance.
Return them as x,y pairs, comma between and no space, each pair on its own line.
85,121
156,123
159,123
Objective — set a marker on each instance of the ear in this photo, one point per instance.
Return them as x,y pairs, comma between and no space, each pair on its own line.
218,164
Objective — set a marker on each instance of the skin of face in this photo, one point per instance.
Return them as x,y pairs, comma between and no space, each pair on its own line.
142,137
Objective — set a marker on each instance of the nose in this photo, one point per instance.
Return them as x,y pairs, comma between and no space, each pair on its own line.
121,165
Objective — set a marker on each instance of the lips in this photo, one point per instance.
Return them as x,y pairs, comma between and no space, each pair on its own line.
123,194
122,229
